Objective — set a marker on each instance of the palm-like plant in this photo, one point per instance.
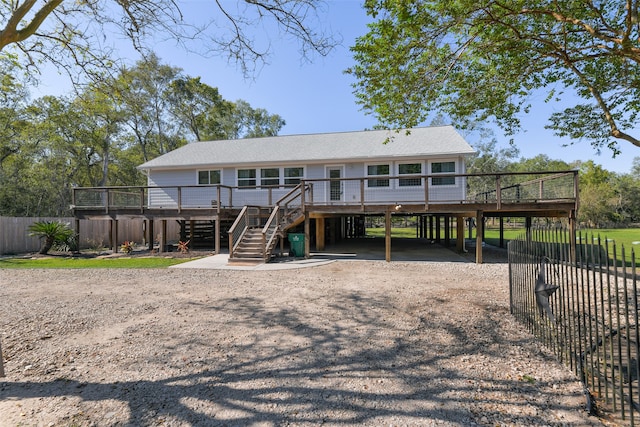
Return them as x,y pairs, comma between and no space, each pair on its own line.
50,232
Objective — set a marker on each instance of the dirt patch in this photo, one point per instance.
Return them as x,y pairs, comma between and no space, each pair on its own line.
348,343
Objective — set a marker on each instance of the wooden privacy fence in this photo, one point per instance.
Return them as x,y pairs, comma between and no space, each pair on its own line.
578,294
15,239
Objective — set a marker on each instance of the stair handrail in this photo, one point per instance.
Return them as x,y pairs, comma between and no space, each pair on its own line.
237,230
296,192
270,231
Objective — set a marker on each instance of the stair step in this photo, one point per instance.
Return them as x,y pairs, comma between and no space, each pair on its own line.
249,247
245,261
249,252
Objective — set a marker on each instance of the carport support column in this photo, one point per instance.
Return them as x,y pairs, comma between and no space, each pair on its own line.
320,234
163,236
307,234
150,235
431,228
217,234
460,234
387,236
572,236
527,227
1,362
447,231
479,235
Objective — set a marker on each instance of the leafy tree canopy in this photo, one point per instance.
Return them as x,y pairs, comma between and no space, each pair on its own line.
475,60
100,134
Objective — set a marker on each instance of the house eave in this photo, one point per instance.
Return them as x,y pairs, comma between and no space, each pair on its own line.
331,160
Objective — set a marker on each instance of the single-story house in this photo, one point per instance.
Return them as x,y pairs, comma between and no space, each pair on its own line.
251,165
261,188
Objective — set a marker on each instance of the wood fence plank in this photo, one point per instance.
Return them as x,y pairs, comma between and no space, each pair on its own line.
15,239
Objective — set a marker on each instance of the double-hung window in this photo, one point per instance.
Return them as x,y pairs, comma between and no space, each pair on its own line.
409,169
246,177
270,176
209,177
377,176
443,167
292,176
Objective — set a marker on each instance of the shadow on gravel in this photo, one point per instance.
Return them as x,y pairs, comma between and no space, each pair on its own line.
356,359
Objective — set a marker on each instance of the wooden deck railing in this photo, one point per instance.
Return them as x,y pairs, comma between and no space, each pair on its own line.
485,188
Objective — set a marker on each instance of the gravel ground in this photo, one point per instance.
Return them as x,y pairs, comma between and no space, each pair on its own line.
348,343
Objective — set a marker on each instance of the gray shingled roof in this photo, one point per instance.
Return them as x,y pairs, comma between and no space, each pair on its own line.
316,148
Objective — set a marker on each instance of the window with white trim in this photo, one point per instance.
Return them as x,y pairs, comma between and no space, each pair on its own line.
209,177
292,176
246,177
443,167
409,169
380,171
270,176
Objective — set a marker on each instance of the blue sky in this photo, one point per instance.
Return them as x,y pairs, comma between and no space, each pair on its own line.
317,97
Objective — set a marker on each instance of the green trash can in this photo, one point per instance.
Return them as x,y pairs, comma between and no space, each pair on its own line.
296,241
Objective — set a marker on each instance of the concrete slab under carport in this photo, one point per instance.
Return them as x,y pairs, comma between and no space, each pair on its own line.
402,249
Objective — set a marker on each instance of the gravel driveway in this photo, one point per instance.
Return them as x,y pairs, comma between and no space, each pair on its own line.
344,344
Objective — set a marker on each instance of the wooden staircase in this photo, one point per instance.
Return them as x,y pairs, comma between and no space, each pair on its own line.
251,248
257,230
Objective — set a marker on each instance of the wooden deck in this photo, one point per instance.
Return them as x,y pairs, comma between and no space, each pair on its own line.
528,195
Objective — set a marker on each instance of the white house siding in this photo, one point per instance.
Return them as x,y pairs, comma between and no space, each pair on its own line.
167,196
349,191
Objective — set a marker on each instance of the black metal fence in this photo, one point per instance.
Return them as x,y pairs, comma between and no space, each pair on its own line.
578,294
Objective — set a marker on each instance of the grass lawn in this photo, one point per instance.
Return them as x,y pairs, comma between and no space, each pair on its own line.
72,262
491,236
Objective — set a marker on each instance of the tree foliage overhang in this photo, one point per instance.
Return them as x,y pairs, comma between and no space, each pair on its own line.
80,36
477,60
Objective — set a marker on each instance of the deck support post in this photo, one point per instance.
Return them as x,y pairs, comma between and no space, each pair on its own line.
307,235
163,237
150,235
502,232
1,362
479,235
431,227
281,245
387,236
460,234
447,231
111,234
320,234
77,237
216,231
572,236
114,235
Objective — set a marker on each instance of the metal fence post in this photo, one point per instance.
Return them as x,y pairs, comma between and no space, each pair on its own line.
1,361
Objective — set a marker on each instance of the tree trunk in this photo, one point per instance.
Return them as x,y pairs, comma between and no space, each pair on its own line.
48,243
